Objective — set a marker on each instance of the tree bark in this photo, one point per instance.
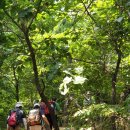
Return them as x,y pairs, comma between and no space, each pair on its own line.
16,84
114,80
113,126
114,77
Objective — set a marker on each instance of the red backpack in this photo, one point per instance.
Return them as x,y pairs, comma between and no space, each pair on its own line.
12,121
45,107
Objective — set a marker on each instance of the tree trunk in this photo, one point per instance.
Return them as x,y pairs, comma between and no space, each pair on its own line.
16,84
114,80
113,124
114,77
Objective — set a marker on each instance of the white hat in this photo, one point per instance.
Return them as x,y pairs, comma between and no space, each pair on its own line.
36,104
19,104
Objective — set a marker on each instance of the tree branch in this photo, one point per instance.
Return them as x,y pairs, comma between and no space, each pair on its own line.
86,10
89,4
44,86
10,30
12,19
38,7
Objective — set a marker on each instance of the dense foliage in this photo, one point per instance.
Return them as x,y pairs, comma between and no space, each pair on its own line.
67,48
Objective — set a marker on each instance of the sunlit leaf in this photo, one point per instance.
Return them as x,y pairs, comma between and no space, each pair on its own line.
63,89
119,19
79,70
67,72
79,80
67,80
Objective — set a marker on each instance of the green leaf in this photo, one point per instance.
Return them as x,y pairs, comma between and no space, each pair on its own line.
2,4
128,3
119,19
79,70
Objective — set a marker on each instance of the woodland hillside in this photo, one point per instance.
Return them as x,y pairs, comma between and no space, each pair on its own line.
75,50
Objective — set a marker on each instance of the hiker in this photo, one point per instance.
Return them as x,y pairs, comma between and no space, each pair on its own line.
88,99
45,108
35,118
16,118
57,110
57,107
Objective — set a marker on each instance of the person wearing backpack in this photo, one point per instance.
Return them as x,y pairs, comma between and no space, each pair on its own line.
57,109
45,108
35,118
16,118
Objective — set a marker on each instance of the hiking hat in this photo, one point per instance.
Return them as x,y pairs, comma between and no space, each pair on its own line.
19,104
36,105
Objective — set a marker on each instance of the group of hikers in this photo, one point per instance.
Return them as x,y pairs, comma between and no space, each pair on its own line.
38,118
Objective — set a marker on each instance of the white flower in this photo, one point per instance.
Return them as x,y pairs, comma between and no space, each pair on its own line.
79,80
63,89
67,80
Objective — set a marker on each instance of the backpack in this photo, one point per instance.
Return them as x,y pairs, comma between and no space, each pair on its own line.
13,118
45,107
34,117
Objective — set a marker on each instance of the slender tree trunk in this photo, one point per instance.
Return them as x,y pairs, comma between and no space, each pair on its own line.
113,124
32,55
114,77
114,80
16,84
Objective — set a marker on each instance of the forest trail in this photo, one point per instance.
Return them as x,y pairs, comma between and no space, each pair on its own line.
64,128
